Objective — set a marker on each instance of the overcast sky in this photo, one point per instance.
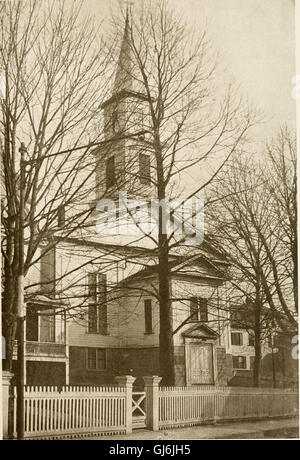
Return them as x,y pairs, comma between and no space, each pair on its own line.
256,42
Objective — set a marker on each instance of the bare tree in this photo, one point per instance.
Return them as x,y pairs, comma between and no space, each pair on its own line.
173,69
281,187
54,68
252,215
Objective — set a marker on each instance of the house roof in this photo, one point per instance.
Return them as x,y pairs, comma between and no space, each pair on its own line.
200,331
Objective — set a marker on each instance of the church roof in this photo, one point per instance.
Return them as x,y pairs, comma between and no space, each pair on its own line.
184,266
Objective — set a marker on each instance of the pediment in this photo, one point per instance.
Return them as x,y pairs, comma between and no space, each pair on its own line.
200,331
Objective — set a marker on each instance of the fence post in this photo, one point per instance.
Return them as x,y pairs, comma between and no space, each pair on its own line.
152,402
126,381
6,378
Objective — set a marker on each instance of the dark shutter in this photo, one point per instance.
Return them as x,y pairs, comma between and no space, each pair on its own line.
235,362
77,358
32,324
193,308
101,358
251,340
102,293
144,169
203,309
110,172
92,301
148,316
115,121
61,218
48,270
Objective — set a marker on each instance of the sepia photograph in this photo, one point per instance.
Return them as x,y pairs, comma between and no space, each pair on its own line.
149,246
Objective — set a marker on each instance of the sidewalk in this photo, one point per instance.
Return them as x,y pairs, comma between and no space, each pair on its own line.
284,428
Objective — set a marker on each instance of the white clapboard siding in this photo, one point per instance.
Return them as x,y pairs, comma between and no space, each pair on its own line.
183,406
54,411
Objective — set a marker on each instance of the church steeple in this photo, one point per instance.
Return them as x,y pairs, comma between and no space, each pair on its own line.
123,78
125,116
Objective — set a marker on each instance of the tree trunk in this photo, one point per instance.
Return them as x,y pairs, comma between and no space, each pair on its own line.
273,368
9,319
9,322
166,352
257,338
257,361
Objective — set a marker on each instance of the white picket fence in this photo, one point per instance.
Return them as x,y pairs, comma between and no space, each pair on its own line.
185,406
51,411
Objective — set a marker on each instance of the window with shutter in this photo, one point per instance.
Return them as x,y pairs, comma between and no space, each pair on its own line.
92,358
236,338
97,303
144,169
47,326
239,362
110,172
198,309
96,358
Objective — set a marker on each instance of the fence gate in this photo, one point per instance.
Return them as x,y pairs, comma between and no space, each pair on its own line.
138,409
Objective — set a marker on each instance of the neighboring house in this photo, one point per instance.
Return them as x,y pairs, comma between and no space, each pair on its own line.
46,343
278,368
107,316
46,349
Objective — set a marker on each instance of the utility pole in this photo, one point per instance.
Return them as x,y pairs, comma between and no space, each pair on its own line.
20,305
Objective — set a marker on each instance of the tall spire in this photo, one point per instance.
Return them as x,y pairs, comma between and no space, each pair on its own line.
123,78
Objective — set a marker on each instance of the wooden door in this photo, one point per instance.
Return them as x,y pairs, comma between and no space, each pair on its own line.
200,364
